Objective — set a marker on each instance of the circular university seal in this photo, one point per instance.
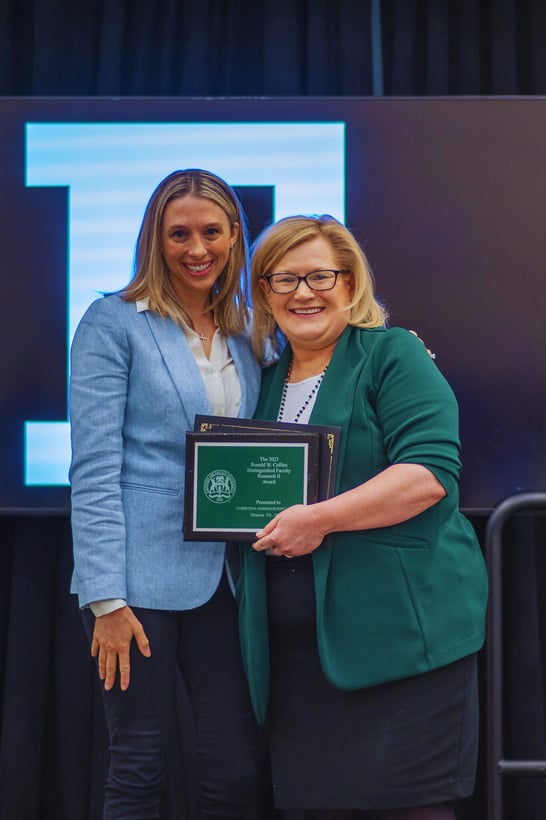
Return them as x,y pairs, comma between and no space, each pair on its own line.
219,486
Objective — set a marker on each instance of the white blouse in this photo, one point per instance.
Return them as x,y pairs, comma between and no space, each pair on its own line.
219,373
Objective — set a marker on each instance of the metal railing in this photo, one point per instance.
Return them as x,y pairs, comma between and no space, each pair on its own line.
498,767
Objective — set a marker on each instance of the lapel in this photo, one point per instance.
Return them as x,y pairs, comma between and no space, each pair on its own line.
338,391
335,399
249,373
185,374
272,384
179,361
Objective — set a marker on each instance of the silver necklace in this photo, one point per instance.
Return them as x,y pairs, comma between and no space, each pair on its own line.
282,405
203,336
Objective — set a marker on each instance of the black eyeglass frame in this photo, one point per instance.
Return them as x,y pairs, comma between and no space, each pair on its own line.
270,276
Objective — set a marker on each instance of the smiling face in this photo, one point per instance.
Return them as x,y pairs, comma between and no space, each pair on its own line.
311,320
196,236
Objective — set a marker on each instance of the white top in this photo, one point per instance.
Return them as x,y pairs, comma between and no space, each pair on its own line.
219,373
297,394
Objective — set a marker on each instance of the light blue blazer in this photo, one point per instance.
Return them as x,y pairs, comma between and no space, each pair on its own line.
135,390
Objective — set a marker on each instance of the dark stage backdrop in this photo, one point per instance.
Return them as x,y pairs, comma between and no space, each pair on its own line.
447,196
52,738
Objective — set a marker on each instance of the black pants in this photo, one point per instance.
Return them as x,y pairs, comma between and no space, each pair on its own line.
201,645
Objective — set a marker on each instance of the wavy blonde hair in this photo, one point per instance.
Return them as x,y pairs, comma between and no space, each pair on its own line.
151,280
276,240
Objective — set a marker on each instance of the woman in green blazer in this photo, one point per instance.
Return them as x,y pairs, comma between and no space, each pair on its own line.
360,651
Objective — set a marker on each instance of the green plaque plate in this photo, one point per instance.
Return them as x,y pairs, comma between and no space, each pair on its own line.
329,441
237,482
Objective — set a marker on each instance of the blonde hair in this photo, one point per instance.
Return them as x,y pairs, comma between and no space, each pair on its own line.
151,280
276,240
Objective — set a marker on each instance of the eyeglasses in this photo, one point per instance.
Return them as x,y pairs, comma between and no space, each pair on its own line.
315,279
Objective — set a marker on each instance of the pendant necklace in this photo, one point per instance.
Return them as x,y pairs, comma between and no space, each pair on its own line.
202,335
282,406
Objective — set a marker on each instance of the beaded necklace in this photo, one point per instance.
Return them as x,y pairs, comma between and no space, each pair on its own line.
280,416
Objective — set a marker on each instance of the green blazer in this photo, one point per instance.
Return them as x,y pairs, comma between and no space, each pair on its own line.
395,601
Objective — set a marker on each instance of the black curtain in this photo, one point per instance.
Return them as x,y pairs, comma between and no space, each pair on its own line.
52,734
464,47
272,47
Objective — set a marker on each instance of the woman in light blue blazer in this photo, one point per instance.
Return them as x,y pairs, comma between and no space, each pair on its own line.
145,360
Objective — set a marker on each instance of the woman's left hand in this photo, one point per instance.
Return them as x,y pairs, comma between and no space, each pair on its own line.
294,531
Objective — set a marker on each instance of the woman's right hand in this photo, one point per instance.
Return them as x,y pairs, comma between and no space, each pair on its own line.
111,645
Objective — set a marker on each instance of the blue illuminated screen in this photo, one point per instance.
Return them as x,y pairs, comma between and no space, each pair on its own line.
110,169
